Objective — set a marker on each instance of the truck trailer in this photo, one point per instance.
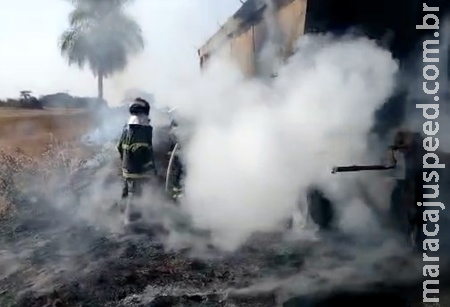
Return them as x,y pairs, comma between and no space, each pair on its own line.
257,22
282,22
392,23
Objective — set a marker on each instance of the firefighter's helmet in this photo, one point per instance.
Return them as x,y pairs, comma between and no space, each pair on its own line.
139,106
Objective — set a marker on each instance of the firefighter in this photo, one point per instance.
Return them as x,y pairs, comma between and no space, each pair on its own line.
136,154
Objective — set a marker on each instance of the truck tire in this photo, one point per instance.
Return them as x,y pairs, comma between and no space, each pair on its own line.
405,216
320,209
415,233
397,209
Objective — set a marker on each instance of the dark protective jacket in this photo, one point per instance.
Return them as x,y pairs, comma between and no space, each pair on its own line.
136,152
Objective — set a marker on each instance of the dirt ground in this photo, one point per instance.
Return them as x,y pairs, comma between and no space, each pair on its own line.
61,243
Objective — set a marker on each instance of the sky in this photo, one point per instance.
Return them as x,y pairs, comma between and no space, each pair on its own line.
173,31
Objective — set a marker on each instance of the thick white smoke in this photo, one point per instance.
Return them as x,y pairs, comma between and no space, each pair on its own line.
254,148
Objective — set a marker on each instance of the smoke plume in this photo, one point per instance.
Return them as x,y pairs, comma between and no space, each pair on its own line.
254,148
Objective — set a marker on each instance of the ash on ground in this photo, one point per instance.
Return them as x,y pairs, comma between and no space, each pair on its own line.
64,246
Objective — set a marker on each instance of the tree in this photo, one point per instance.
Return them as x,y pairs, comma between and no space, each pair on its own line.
102,36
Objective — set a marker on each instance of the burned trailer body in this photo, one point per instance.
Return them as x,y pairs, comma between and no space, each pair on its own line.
391,23
258,24
282,22
246,33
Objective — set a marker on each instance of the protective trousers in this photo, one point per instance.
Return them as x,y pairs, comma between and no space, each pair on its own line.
132,189
133,186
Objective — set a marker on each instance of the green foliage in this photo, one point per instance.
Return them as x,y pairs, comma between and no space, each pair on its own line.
101,35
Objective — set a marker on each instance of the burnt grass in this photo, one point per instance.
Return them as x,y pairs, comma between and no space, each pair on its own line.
49,258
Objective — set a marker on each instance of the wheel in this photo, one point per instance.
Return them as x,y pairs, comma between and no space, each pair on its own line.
416,237
320,209
406,217
289,223
415,215
173,174
398,209
415,233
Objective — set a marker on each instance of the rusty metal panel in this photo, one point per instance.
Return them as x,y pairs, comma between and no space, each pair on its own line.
246,43
243,53
219,38
300,7
291,19
259,36
224,49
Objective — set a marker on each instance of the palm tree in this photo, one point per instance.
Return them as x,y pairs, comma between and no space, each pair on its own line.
102,36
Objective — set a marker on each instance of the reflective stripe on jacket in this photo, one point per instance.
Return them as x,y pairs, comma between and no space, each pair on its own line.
136,151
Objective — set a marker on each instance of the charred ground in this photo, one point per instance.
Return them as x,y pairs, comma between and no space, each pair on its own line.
53,253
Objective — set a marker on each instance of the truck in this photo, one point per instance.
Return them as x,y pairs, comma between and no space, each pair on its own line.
259,25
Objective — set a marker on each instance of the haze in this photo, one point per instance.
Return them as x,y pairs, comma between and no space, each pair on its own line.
173,30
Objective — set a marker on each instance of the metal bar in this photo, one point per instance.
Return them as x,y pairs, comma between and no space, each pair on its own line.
356,168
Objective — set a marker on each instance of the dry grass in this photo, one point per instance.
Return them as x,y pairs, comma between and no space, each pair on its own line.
5,206
20,171
38,142
33,131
